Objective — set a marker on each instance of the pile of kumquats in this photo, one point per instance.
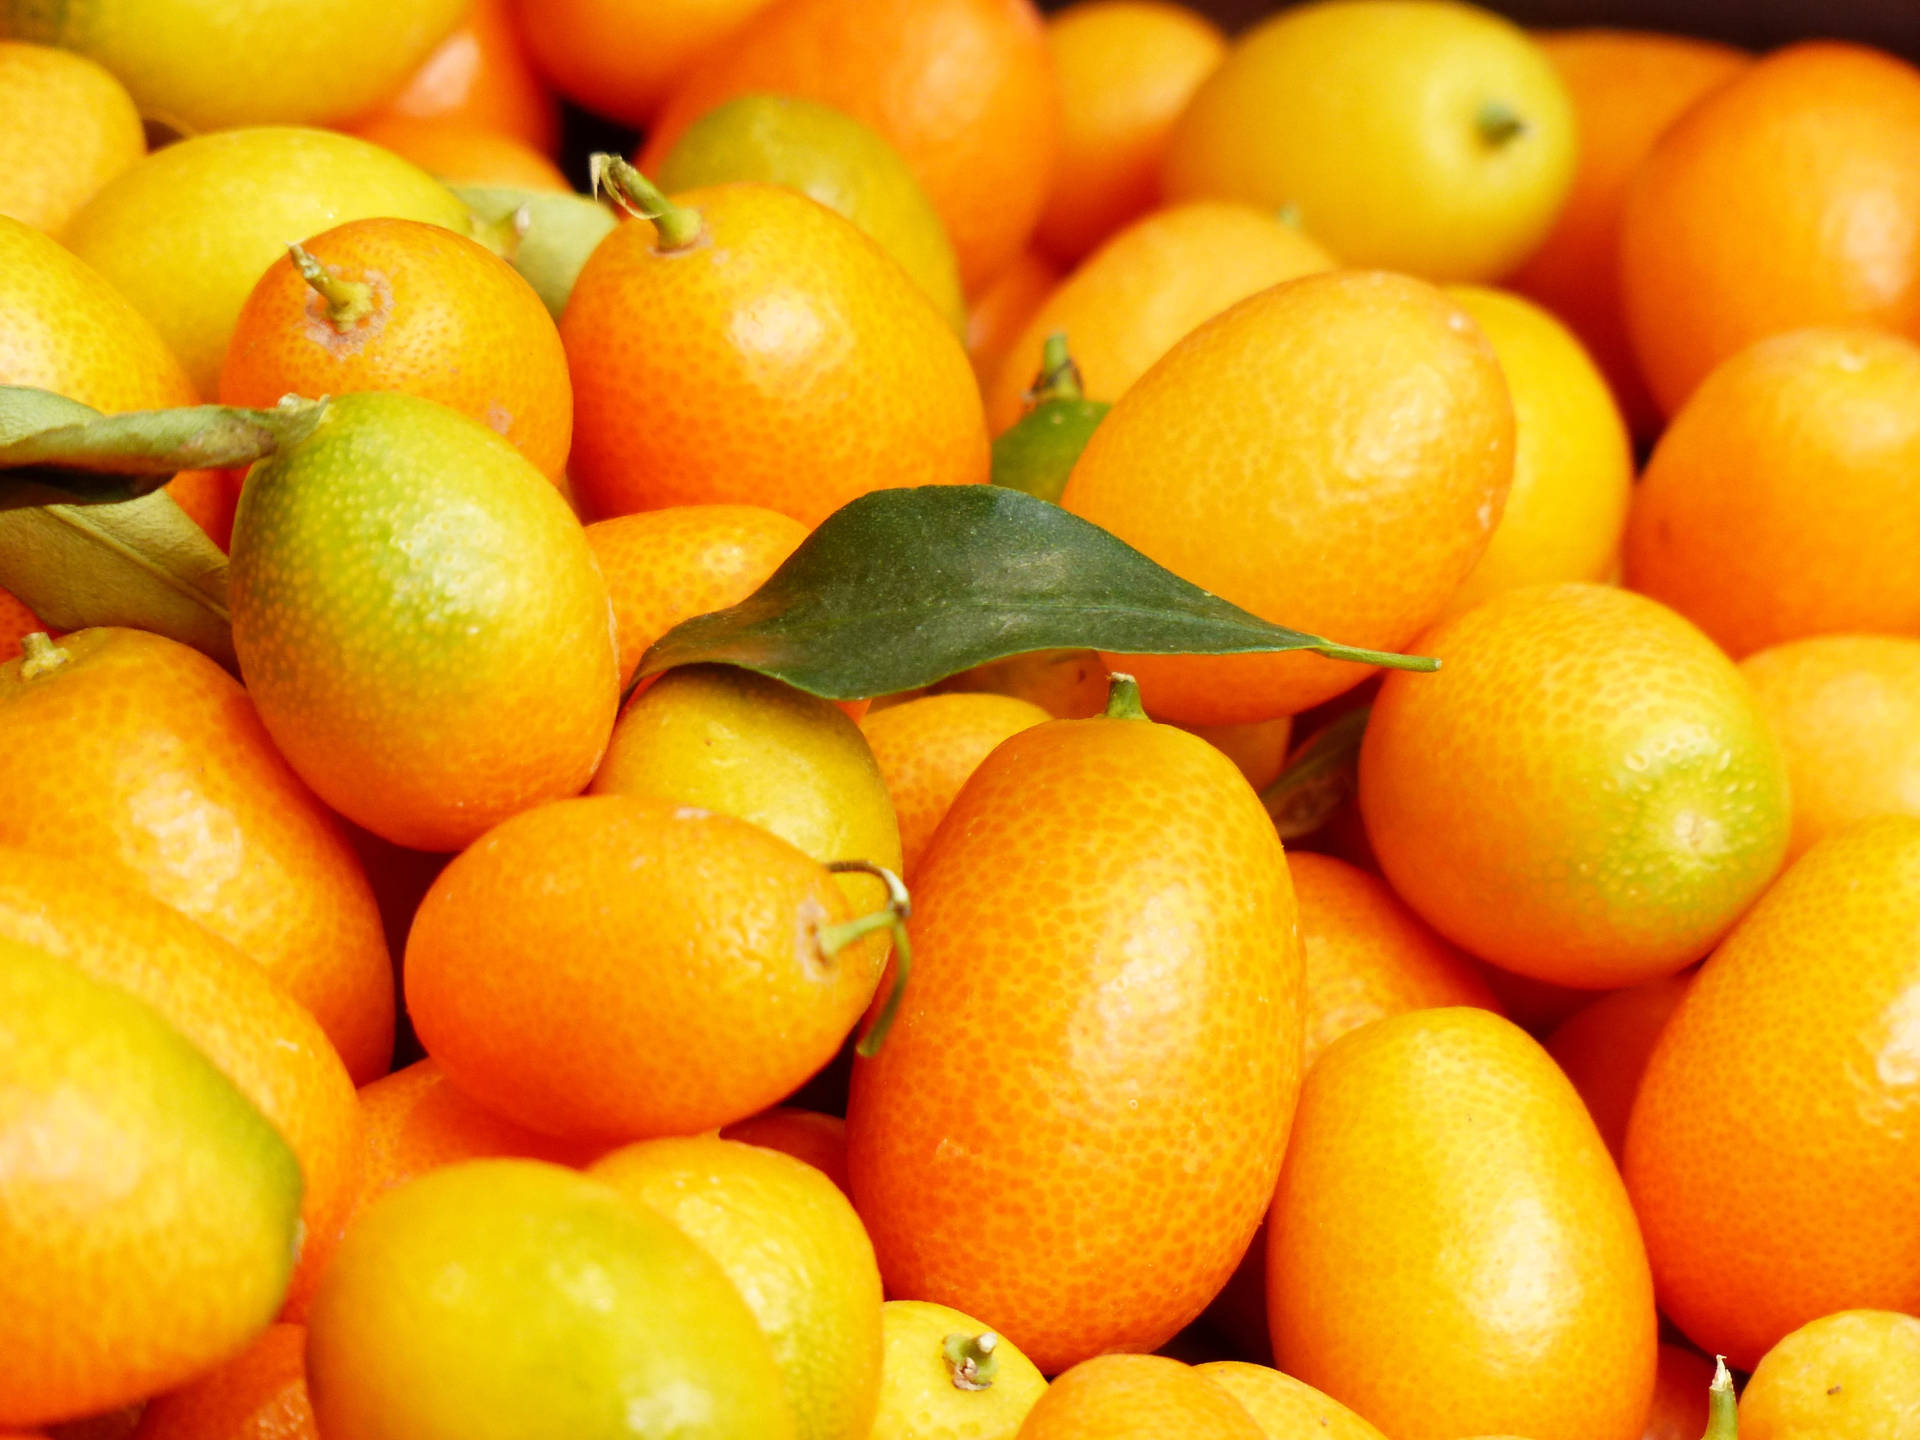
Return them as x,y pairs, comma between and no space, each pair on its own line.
1009,726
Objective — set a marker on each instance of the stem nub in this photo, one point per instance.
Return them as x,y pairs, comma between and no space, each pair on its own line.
1723,1413
1498,123
1059,377
348,301
972,1359
40,656
835,938
1123,698
679,228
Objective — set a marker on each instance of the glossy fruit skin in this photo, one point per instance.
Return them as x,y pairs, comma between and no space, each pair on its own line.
1430,1150
616,969
1585,792
169,783
858,385
66,128
827,154
1126,69
1852,1375
1788,197
918,1399
1781,501
147,230
450,321
1091,874
1679,1408
621,62
792,1246
1768,1153
1604,1047
1000,310
1356,422
463,155
1847,711
261,1394
1145,289
1285,1408
1393,90
1627,86
480,76
1136,1397
163,1243
427,679
818,1139
508,1296
963,89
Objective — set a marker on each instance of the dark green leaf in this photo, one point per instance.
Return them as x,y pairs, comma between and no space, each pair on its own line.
901,588
1319,778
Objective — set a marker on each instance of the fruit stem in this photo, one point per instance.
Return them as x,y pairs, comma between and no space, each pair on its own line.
835,938
1289,215
40,656
1723,1414
1123,698
348,301
1499,122
973,1359
679,227
1059,377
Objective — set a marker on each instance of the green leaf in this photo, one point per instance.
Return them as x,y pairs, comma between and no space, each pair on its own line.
1319,777
901,588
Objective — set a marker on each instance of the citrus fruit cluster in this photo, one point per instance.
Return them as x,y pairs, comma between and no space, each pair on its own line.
1004,727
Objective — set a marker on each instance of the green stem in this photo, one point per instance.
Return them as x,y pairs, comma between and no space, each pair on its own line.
348,301
972,1359
40,656
678,226
1498,122
1123,698
1059,377
1723,1413
835,938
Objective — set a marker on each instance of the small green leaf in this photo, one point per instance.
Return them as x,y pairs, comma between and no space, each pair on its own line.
1319,777
901,588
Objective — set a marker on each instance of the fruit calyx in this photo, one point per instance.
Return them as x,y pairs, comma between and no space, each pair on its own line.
1123,698
1723,1415
40,656
348,302
972,1359
893,915
1059,377
1498,123
679,228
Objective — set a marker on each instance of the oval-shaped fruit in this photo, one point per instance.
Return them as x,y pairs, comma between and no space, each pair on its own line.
1074,1125
66,128
511,1297
420,620
1445,1187
1852,1375
1604,1047
1285,1408
1771,1153
1356,423
260,1394
148,1213
1585,793
927,1347
1136,1397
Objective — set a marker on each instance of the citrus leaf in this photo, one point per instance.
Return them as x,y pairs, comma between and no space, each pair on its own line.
901,588
141,563
1319,777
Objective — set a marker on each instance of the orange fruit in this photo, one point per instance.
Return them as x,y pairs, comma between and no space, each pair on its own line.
928,747
1768,1154
792,1246
806,367
930,1347
1136,1397
1284,421
261,1394
525,969
481,77
420,621
963,89
1585,792
1781,502
259,1038
623,62
1260,749
1444,1186
462,154
1572,463
148,1212
1853,1375
509,1297
167,782
1285,1408
66,128
1368,955
1126,69
16,623
1788,196
820,1140
1067,684
665,566
1536,1006
1066,1200
1000,310
1147,288
1604,1047
1679,1408
1847,711
1627,87
413,308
